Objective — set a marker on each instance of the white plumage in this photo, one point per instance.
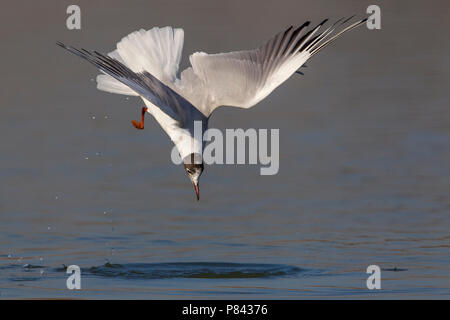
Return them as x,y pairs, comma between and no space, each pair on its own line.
239,79
157,51
145,64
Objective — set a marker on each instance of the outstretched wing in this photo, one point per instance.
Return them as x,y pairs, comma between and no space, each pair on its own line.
243,78
157,51
143,83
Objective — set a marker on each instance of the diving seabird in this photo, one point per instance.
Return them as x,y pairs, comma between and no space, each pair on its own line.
145,64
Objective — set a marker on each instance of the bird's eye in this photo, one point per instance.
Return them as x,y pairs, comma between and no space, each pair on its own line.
190,171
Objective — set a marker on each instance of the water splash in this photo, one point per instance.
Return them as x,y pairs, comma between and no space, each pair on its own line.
204,270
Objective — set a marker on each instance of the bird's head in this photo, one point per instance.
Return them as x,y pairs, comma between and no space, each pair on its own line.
193,165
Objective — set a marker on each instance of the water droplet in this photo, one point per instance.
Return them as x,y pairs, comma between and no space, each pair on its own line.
48,228
93,117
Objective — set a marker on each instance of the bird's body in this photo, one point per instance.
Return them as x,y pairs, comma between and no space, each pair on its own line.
146,64
158,52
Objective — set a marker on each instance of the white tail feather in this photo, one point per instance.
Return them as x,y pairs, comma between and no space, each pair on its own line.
157,51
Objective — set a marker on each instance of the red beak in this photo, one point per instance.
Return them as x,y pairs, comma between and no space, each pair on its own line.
197,192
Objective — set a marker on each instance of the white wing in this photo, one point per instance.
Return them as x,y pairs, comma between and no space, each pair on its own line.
156,51
144,84
243,78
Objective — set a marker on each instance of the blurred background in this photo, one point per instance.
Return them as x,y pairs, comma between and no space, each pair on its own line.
364,160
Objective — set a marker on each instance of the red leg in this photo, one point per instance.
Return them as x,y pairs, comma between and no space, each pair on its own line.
140,125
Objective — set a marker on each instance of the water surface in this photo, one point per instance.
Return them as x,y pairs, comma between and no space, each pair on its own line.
364,170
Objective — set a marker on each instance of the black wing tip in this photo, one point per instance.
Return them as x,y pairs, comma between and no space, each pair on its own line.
342,21
59,43
348,19
359,22
323,22
304,25
68,48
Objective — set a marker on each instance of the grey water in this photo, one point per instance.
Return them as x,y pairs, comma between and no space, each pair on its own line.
364,173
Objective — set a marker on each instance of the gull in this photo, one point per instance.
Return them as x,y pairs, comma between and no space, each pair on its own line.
145,64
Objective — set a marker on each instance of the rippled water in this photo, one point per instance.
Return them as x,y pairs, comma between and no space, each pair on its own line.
364,163
207,270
